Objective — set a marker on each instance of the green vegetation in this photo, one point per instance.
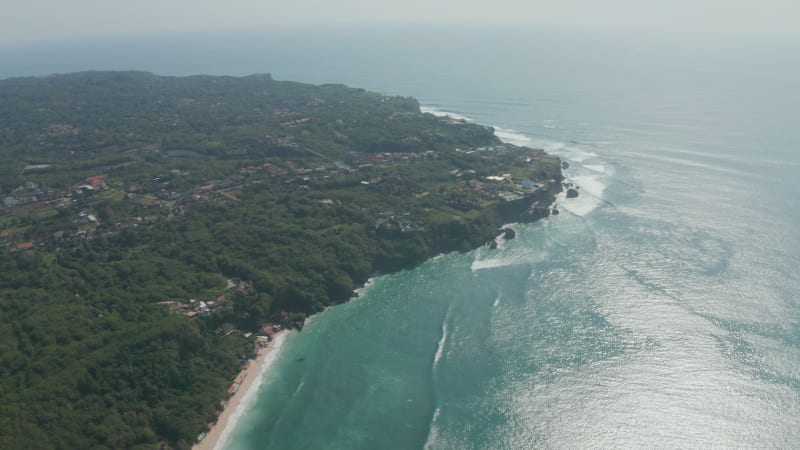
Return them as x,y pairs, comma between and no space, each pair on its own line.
126,195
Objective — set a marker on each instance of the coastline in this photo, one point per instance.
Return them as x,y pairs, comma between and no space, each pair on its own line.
218,436
238,404
251,378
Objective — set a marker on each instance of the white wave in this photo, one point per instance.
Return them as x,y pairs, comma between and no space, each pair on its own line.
590,198
433,433
442,342
590,184
569,151
504,134
492,263
249,397
443,113
359,291
578,156
496,301
512,137
513,255
594,144
600,168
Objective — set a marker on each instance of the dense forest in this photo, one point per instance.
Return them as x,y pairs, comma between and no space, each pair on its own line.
141,215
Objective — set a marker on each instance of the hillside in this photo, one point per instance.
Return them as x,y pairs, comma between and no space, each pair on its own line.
151,227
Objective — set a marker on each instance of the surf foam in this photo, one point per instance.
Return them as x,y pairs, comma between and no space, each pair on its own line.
443,113
442,343
590,198
512,137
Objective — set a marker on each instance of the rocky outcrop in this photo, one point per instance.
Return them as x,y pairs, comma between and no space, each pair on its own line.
508,233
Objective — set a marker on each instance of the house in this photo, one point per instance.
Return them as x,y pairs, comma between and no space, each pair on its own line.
97,182
22,247
84,189
267,331
4,234
230,197
226,329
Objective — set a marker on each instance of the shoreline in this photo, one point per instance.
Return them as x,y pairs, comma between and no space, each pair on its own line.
251,379
238,405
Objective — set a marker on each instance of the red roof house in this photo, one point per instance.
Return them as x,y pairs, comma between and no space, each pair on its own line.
21,247
98,181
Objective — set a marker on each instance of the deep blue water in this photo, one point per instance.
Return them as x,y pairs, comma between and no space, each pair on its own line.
660,309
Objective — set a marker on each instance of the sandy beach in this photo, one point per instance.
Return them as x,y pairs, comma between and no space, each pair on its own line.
249,380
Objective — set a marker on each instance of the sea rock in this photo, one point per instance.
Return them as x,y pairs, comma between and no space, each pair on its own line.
508,233
536,212
572,193
564,165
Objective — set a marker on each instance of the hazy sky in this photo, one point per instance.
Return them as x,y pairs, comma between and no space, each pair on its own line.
27,20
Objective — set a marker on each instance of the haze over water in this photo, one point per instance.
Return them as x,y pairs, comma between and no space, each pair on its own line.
659,309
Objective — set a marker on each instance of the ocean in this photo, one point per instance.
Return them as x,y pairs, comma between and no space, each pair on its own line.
661,308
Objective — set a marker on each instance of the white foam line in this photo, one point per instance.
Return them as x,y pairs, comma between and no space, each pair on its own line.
590,197
599,168
433,433
442,342
512,137
591,185
579,156
504,134
442,113
360,290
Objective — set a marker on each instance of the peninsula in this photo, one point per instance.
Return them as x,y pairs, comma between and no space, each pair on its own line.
153,230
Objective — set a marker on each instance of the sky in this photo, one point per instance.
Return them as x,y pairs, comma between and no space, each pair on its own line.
43,20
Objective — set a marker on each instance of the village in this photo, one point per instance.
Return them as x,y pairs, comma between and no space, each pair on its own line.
467,189
157,250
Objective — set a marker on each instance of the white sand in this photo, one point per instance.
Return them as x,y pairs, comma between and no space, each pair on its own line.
240,402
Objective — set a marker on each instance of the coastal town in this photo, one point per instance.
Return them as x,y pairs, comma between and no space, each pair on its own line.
154,248
33,203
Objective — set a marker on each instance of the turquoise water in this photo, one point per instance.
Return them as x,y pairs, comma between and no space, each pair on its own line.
659,309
